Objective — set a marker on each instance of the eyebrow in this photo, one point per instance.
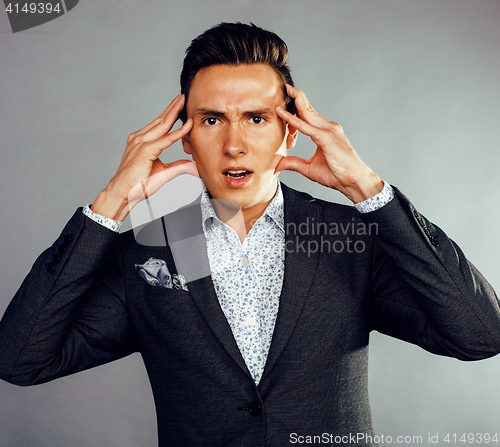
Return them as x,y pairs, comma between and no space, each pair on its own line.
255,112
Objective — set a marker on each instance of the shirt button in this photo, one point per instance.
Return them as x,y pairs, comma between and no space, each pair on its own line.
245,260
251,321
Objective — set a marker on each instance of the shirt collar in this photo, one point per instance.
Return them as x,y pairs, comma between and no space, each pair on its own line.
275,209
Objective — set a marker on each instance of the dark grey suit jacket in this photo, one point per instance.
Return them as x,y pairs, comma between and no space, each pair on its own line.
84,304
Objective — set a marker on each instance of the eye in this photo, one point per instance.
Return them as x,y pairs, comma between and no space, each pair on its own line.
211,121
257,119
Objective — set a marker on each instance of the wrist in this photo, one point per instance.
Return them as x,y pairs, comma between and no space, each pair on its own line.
111,206
364,187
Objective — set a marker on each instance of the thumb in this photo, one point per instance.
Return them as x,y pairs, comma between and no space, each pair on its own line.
180,167
292,163
155,181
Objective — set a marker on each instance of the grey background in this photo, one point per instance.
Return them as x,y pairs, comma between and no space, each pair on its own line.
415,85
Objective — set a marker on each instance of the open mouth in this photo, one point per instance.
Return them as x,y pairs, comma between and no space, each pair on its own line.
236,174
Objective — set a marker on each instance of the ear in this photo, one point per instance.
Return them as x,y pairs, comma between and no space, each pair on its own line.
291,137
186,145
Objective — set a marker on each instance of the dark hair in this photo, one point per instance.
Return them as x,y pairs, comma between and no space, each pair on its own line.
233,44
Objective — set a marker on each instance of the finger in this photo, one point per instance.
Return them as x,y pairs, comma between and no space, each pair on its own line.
159,177
180,167
170,171
165,125
304,108
151,150
301,125
162,115
169,107
292,163
159,145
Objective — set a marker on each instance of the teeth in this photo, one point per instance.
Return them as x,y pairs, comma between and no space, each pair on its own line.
237,174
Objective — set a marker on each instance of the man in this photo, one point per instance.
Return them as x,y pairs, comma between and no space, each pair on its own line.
258,334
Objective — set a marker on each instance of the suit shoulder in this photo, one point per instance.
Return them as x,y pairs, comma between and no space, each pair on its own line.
328,208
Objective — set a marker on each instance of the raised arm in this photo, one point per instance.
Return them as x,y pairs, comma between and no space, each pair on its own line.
424,289
70,313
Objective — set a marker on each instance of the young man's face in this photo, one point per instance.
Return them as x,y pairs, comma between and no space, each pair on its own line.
237,139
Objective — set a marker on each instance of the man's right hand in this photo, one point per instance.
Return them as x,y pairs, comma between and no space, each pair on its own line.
141,173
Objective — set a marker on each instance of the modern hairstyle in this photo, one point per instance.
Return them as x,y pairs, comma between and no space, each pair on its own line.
233,44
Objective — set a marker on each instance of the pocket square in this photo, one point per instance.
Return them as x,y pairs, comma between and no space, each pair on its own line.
155,272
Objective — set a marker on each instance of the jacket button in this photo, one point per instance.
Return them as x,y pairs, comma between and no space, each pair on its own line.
50,267
254,408
68,237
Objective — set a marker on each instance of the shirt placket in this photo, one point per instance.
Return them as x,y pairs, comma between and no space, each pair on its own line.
253,323
248,321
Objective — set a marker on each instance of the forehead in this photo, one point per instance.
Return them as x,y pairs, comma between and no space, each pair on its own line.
225,87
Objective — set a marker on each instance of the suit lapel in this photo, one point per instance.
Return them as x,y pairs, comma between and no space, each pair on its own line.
204,295
187,243
300,267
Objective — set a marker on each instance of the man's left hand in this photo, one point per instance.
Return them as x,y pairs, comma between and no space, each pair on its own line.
335,163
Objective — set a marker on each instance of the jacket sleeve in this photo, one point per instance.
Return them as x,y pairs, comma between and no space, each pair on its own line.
70,312
425,291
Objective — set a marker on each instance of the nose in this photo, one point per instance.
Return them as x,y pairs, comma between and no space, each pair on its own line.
234,144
